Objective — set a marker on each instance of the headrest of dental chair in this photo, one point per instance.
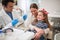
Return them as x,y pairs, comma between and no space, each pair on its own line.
57,36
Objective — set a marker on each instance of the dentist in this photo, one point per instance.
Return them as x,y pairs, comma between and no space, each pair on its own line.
7,14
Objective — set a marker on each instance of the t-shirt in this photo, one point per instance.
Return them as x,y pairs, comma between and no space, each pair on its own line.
41,24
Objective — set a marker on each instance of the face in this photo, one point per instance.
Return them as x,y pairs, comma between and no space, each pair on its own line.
40,16
34,11
9,7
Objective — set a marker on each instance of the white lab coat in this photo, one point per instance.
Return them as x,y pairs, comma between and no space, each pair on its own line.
6,19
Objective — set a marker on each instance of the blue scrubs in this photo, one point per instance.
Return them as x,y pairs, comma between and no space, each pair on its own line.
10,15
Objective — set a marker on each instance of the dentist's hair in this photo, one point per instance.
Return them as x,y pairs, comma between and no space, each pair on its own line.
5,2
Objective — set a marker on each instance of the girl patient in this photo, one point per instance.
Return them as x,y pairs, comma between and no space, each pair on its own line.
41,22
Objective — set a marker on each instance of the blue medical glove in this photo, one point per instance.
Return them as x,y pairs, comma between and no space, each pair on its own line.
14,22
24,17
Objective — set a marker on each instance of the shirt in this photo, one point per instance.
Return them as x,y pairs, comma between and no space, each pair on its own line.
41,24
10,15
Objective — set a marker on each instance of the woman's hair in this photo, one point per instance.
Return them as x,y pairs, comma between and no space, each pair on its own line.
34,5
5,2
45,14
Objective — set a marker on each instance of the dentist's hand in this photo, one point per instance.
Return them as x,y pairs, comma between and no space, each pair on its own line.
24,17
14,22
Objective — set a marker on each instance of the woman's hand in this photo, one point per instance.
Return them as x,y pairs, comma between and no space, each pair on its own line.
39,33
37,36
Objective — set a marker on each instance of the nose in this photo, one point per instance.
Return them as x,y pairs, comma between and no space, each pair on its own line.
33,13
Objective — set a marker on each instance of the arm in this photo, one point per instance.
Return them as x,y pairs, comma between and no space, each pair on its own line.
36,29
46,31
2,21
39,33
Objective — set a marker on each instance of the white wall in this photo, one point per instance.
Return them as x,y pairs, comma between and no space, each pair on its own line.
25,4
52,6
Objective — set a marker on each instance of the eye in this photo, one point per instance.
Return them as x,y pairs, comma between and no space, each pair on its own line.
39,15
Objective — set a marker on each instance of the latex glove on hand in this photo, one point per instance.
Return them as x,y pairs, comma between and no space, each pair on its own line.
14,22
22,20
11,24
24,17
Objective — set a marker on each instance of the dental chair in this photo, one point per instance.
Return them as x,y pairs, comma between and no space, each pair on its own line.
57,36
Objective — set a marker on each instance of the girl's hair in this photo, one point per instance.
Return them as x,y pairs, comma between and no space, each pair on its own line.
45,14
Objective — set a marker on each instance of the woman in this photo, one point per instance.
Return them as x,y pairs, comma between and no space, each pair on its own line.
34,11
